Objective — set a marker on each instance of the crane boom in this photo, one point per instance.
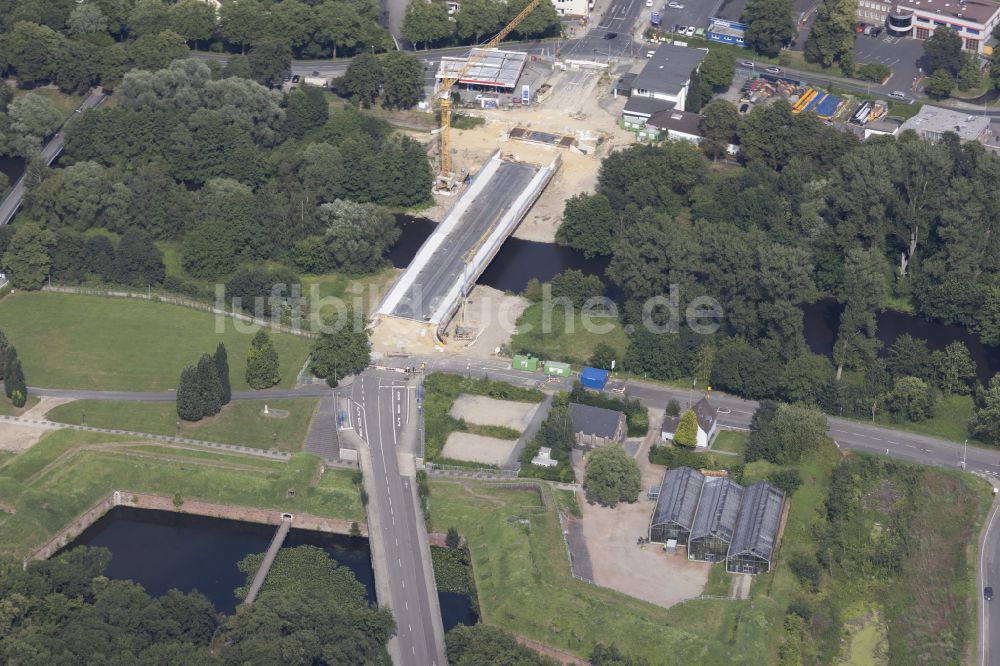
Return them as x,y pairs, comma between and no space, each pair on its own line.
450,80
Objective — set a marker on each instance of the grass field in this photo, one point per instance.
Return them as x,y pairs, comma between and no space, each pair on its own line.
90,342
7,408
241,422
731,441
67,472
566,339
951,419
366,289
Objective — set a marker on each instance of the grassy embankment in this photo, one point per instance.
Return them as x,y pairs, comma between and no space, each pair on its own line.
441,391
525,585
242,423
90,342
67,472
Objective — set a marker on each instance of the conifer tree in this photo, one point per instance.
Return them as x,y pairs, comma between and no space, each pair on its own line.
188,406
262,362
209,387
221,359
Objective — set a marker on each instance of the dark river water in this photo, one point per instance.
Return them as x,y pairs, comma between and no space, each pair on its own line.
518,261
163,550
12,167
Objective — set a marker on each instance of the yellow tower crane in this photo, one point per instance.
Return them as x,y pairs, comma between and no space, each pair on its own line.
450,80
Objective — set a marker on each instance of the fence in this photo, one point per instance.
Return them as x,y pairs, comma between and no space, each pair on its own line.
181,301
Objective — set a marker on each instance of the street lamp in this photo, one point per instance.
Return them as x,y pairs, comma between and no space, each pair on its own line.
965,453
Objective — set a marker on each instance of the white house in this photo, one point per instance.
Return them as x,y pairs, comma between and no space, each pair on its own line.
708,423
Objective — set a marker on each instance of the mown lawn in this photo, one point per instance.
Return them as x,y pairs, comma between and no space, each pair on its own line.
78,481
90,342
731,441
565,338
241,422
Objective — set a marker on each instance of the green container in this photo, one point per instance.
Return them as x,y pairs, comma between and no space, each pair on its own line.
558,369
527,363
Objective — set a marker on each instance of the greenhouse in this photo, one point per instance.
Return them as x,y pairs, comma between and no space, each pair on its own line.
715,520
756,530
676,505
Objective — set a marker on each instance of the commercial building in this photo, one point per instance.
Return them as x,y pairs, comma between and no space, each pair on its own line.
715,519
973,20
676,505
676,125
572,8
932,122
667,74
727,32
756,530
596,426
495,70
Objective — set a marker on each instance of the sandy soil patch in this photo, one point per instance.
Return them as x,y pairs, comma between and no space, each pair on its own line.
476,448
393,335
44,406
489,411
21,436
493,316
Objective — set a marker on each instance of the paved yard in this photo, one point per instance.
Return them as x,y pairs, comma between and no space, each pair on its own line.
900,55
482,410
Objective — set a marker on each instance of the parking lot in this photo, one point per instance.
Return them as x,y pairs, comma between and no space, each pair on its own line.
693,12
899,55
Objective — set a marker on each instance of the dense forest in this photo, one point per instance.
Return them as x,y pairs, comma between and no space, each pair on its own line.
234,173
65,611
810,212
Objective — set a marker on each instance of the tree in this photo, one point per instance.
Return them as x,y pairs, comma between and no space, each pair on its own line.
718,69
5,348
719,122
189,408
148,17
209,387
87,19
14,384
557,431
941,83
269,60
786,480
363,79
358,234
578,288
604,356
138,261
769,25
986,422
32,118
221,360
194,20
478,18
262,362
864,293
687,430
483,644
831,36
403,80
343,351
588,224
943,50
874,71
781,434
673,408
611,476
9,359
152,52
970,76
426,23
610,655
27,257
909,357
307,109
241,21
911,399
32,51
452,540
954,369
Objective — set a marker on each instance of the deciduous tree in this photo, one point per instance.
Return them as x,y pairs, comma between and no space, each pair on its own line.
342,350
426,23
612,476
363,79
403,84
27,256
588,224
770,25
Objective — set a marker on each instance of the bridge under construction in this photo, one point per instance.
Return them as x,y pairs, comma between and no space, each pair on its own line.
453,257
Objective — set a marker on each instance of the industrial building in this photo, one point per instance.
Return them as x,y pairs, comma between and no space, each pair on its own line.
756,530
495,71
973,20
932,122
715,519
676,505
596,426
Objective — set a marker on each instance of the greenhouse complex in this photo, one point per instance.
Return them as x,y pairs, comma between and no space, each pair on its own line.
718,520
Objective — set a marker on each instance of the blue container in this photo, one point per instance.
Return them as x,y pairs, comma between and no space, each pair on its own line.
594,378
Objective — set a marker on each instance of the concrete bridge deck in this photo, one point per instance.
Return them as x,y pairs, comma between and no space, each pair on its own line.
461,247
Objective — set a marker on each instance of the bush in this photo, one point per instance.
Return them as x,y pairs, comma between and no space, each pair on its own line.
452,540
806,569
786,480
873,71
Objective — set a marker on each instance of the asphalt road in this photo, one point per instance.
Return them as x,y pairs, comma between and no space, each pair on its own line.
988,575
10,204
619,19
381,411
170,396
447,264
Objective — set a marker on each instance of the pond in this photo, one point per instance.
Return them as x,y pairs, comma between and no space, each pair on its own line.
163,550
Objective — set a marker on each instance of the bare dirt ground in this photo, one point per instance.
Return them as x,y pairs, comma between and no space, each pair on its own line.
394,335
21,436
476,448
488,411
493,315
645,572
44,406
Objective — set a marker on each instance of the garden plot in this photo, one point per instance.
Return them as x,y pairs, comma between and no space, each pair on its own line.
477,448
482,410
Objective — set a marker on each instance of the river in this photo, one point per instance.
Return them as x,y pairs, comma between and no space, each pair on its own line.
519,260
163,550
12,167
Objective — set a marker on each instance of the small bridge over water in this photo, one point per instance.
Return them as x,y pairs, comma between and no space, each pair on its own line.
272,552
452,258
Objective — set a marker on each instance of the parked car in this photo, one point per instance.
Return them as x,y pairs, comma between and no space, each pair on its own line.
690,31
774,70
680,29
295,78
675,5
649,3
650,54
744,107
988,593
897,94
610,35
747,63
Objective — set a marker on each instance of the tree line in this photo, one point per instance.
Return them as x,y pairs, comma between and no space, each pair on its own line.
811,211
432,24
